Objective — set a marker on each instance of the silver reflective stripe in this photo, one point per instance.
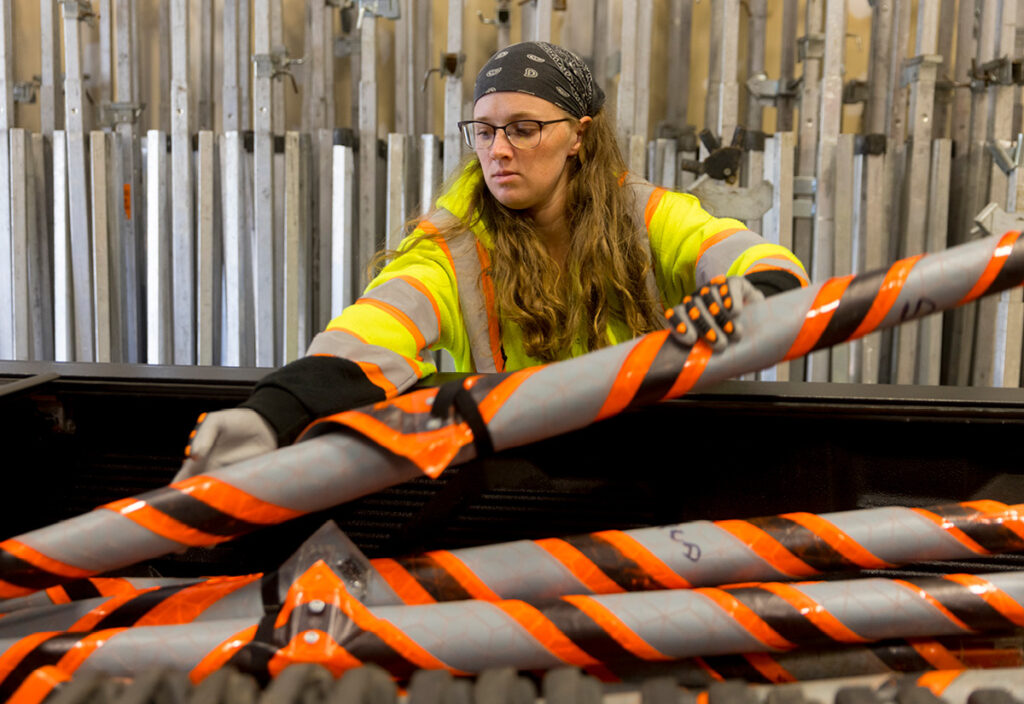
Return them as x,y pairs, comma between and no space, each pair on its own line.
339,343
719,257
411,301
466,262
642,192
779,263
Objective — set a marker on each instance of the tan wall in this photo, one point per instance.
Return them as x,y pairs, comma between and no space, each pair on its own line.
480,41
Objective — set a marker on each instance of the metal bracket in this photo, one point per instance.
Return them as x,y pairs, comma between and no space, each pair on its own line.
25,91
768,91
276,64
804,190
1001,72
811,47
1007,159
503,15
79,10
451,65
742,203
121,113
993,220
920,68
855,92
388,9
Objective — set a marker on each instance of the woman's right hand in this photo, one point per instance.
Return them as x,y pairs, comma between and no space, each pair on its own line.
225,437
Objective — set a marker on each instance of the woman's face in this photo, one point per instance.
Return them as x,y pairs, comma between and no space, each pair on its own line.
527,179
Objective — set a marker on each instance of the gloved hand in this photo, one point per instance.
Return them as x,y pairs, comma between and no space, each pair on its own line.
712,313
226,437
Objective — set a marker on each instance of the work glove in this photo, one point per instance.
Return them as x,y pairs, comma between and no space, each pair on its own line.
712,314
225,437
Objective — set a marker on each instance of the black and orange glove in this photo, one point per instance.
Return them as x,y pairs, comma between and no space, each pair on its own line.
712,313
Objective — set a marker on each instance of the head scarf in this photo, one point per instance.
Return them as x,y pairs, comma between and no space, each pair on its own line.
546,71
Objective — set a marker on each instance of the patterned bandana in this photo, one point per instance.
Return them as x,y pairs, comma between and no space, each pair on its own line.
545,70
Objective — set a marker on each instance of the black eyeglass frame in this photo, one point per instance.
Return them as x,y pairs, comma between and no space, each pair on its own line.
541,124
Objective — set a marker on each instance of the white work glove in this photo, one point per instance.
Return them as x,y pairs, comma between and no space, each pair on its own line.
226,437
712,313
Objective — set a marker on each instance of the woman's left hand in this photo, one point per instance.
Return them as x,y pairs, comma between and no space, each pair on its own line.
712,313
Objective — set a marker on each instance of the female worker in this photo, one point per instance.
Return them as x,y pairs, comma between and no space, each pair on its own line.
542,248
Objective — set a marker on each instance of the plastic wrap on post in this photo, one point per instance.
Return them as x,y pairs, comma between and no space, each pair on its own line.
394,441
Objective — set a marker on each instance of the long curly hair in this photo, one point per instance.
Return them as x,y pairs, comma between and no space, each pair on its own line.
605,271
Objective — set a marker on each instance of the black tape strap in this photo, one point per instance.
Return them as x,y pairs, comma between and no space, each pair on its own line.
455,394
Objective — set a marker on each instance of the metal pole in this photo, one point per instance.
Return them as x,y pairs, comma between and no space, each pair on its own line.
103,299
159,342
20,224
264,282
182,214
209,254
51,107
343,183
369,206
235,234
297,246
7,314
831,110
40,250
78,183
453,91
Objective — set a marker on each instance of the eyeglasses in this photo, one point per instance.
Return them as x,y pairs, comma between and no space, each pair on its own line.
521,134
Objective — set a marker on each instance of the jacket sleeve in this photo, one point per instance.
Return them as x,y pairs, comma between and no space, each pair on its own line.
691,247
374,350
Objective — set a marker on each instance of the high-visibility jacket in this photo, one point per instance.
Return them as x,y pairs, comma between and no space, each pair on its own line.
439,295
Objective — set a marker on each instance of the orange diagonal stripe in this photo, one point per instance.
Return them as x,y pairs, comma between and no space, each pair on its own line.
98,613
952,530
995,597
581,566
390,634
641,555
410,591
692,369
233,501
938,681
11,657
38,685
545,633
218,657
887,294
818,317
89,644
140,512
37,559
463,575
745,617
838,540
613,626
632,373
935,603
188,604
1009,517
418,285
496,397
377,378
994,266
768,666
936,654
767,548
814,612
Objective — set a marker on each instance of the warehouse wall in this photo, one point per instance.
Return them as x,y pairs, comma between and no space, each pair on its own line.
480,41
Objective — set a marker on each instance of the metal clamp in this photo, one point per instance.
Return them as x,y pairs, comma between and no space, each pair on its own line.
503,15
121,113
276,64
79,10
451,66
25,91
388,9
811,47
768,91
993,220
920,68
1001,72
1007,159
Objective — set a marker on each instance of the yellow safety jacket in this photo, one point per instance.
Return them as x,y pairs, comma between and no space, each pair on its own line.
438,294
